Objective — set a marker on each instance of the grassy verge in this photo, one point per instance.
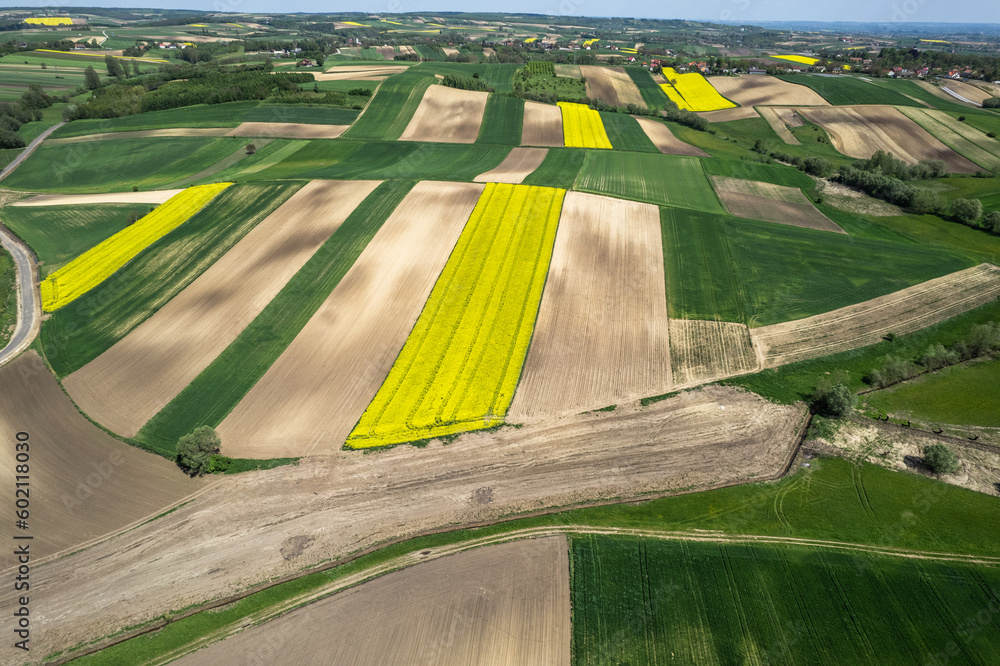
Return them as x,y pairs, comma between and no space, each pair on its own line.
300,113
229,114
8,297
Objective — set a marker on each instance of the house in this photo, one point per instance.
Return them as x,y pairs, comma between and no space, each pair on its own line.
953,74
757,70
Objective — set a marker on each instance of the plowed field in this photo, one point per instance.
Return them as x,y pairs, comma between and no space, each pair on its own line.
542,125
701,351
517,166
756,90
771,203
611,85
448,115
290,130
665,141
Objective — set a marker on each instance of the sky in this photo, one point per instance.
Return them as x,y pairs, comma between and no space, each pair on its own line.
745,11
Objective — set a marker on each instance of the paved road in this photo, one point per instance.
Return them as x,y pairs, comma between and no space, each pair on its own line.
28,150
29,312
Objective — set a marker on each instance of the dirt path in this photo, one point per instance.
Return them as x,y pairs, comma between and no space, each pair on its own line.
144,134
289,130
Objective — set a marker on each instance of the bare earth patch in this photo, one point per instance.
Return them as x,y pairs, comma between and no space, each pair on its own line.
490,606
144,134
313,395
901,312
612,85
542,125
448,115
601,334
360,72
154,197
518,165
289,130
128,384
779,123
726,115
756,90
771,203
663,138
702,351
853,201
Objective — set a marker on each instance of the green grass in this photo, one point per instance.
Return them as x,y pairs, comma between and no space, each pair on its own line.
498,76
559,168
563,87
823,502
653,178
982,121
648,88
502,121
777,174
115,166
50,116
229,114
961,394
78,333
932,231
716,145
392,107
220,387
8,296
57,234
840,90
300,113
796,381
647,601
749,130
625,133
987,190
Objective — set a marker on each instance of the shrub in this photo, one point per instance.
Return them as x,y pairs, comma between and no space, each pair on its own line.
992,222
832,398
815,166
926,201
966,211
219,464
940,459
196,450
991,103
937,357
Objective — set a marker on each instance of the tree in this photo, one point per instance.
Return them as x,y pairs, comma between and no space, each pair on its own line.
832,397
992,222
966,211
115,68
940,459
251,149
91,79
135,68
991,103
195,450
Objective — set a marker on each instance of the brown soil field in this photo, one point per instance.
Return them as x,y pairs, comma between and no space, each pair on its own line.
970,92
858,131
409,50
542,125
387,52
84,483
962,138
491,606
901,312
489,52
771,203
144,134
289,130
314,394
611,85
153,197
449,51
447,115
726,115
937,92
756,90
251,527
360,72
663,138
518,165
129,383
569,71
702,351
779,123
601,336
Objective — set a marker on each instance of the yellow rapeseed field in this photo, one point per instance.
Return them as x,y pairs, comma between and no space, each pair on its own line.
530,39
50,20
99,262
802,60
583,127
462,360
692,92
591,42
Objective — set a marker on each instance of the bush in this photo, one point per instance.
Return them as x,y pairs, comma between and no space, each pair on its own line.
940,459
926,201
832,398
937,357
966,211
991,103
9,139
219,464
815,166
992,222
196,450
893,371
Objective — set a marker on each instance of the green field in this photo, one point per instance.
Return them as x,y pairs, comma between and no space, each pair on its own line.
778,174
502,121
392,107
229,114
841,90
57,234
218,389
87,327
559,168
8,296
962,394
653,178
749,130
651,91
625,133
650,601
300,113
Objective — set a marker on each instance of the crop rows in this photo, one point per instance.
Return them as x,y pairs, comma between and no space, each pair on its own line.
461,363
692,92
649,177
582,127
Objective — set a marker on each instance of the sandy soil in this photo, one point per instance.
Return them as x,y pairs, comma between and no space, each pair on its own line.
755,90
858,131
289,130
238,533
601,336
865,323
663,138
314,394
771,203
448,115
83,482
491,606
144,134
725,115
154,197
518,165
542,125
128,384
612,85
779,120
702,351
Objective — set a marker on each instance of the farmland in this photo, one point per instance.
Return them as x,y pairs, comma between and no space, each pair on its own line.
692,92
847,90
657,179
625,133
966,141
771,203
503,121
582,127
765,90
542,125
447,115
8,297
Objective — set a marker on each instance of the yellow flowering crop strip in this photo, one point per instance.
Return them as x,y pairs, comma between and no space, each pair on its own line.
802,60
50,20
99,262
583,127
693,92
530,39
462,360
590,42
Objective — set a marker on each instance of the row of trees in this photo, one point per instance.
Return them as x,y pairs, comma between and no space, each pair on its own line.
25,110
981,340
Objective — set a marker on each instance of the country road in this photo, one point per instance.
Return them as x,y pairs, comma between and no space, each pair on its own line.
29,315
30,148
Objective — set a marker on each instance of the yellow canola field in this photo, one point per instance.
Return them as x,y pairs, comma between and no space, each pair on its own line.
462,360
530,39
591,42
50,20
99,262
692,92
803,60
360,25
583,127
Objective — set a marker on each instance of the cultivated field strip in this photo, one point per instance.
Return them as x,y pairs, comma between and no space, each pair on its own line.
501,604
153,197
359,72
777,123
727,115
289,130
702,351
665,141
543,125
611,85
601,335
692,92
771,203
138,376
447,115
460,365
583,127
859,131
863,324
517,166
312,396
960,137
754,90
129,135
